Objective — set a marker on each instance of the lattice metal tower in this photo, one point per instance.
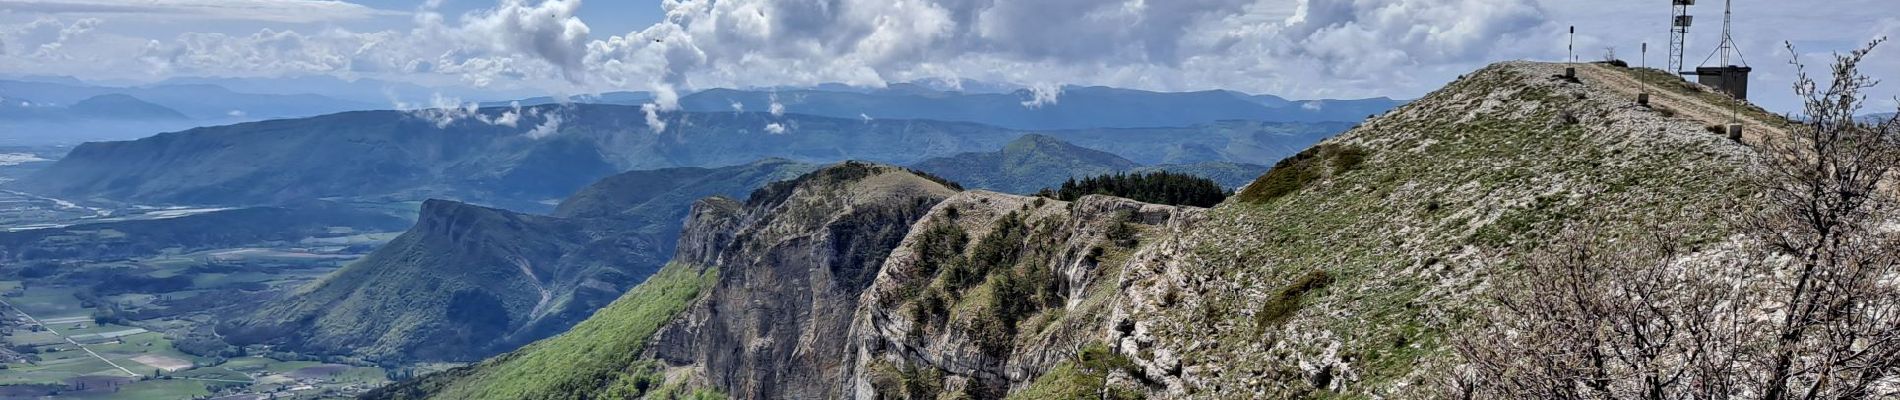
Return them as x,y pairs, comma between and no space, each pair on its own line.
1728,37
1679,32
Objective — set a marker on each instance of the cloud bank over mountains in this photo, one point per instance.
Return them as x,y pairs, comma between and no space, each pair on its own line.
1301,48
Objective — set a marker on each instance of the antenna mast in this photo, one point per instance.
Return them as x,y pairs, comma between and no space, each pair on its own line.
1679,32
1728,40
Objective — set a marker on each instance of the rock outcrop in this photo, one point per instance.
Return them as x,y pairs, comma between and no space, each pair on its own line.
793,265
1048,271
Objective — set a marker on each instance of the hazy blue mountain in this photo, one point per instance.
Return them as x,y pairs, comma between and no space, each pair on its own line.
1235,141
395,155
1025,165
105,107
119,106
1034,162
198,101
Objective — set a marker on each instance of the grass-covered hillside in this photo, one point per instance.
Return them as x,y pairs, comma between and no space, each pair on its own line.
1341,273
600,355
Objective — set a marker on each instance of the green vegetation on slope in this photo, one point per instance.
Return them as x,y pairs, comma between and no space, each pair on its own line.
1296,172
1155,188
1083,378
596,357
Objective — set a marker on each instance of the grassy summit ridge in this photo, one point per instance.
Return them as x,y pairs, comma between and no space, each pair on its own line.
1404,219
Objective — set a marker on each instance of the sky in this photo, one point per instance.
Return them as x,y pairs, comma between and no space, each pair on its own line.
1304,49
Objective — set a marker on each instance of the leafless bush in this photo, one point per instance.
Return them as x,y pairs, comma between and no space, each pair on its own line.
1596,318
1837,316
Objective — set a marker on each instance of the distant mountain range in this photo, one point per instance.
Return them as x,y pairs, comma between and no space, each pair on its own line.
197,101
1074,108
62,111
107,107
217,101
396,155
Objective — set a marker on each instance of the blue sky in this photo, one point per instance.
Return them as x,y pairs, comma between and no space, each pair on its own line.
1293,48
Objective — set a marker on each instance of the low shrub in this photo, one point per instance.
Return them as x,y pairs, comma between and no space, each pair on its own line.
1294,173
1287,301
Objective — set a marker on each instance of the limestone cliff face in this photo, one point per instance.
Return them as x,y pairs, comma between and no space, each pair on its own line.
793,260
1050,270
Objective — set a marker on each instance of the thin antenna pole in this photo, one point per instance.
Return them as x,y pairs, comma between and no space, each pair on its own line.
1645,65
1728,45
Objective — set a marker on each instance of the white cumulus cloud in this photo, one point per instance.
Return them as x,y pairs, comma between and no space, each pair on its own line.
1294,48
1043,95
